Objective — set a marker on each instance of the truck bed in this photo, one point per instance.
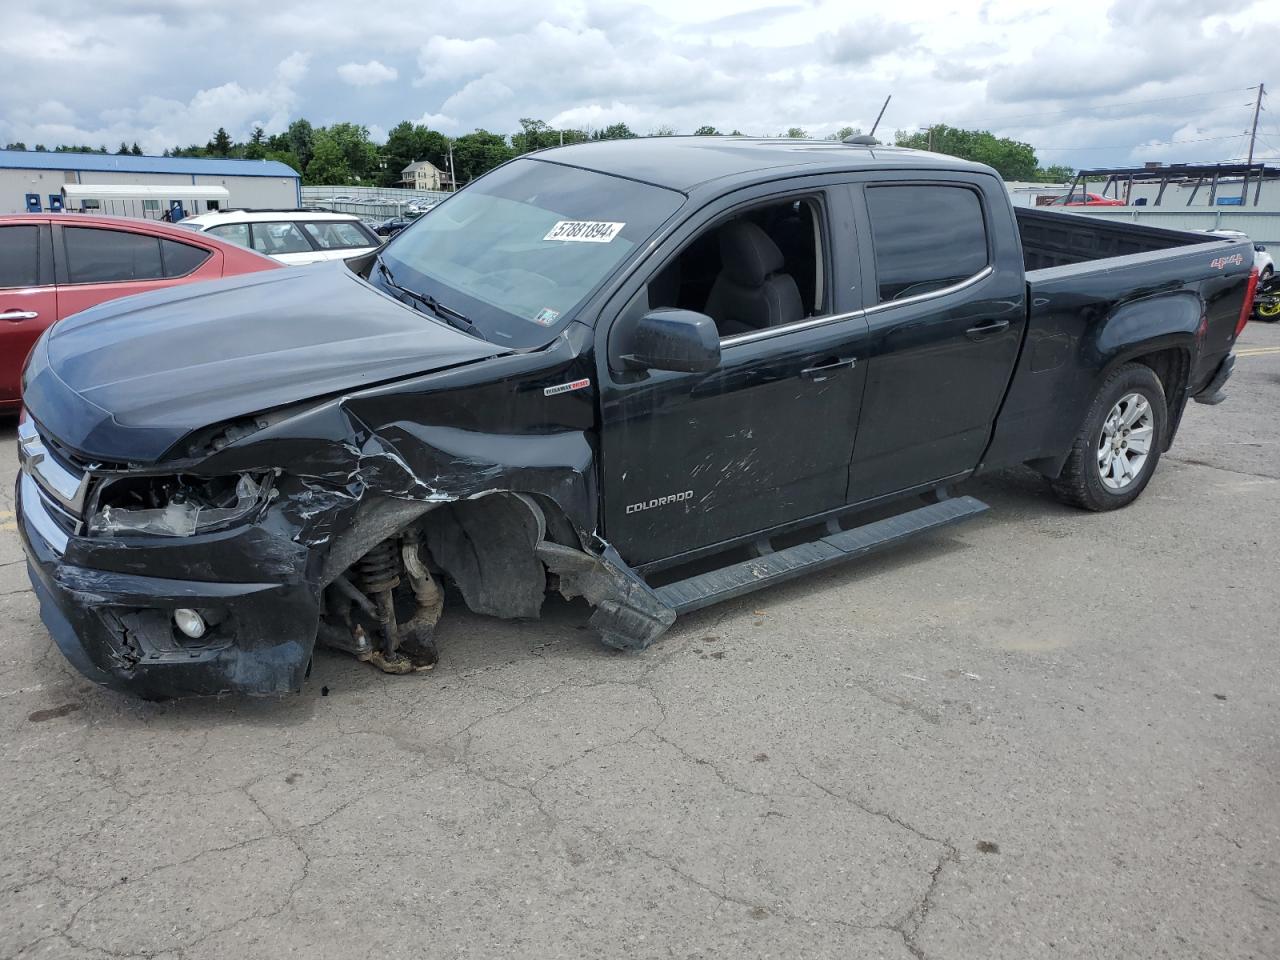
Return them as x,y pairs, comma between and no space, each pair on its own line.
1052,238
1096,289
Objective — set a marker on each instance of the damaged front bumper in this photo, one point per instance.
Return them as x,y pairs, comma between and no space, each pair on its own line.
117,627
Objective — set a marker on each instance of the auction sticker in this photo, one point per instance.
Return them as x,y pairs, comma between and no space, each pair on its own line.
546,317
584,231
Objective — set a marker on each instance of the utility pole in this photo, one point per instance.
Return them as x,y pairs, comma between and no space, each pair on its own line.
1257,106
931,138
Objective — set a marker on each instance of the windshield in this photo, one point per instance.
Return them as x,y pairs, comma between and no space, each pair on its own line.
518,251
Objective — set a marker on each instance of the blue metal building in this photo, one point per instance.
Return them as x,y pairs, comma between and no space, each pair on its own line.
31,179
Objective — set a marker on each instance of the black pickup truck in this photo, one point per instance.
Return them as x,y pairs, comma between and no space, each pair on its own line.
654,373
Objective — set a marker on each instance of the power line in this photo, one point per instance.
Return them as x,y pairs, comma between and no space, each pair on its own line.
1101,106
1135,146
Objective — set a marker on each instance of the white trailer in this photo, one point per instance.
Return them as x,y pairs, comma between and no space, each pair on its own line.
163,202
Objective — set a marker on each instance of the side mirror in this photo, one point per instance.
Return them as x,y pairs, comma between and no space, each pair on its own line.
1260,248
673,339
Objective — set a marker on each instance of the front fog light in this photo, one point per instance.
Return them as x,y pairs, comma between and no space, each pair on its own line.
189,622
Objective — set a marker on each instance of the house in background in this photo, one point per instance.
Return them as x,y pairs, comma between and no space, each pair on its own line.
425,175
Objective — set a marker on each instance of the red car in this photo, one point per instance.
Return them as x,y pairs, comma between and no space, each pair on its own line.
54,265
1085,200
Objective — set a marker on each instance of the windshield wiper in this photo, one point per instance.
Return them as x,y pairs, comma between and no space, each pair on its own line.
450,316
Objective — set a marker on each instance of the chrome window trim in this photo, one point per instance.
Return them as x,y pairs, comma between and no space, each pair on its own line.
933,294
863,312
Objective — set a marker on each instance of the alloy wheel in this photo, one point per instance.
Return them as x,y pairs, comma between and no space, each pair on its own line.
1125,443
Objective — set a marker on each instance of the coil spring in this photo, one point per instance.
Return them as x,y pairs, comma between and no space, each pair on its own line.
379,569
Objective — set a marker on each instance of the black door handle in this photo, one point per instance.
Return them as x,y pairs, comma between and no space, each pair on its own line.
824,370
985,330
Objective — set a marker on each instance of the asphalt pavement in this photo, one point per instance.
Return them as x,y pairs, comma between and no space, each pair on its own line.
1043,733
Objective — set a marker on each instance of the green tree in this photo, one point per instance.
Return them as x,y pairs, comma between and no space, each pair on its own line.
287,157
135,149
534,135
706,131
614,131
663,130
221,143
1056,174
328,162
300,139
19,145
256,148
538,135
1012,159
475,154
41,148
124,149
844,133
797,133
359,152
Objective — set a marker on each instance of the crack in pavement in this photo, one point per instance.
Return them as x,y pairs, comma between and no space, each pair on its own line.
1192,462
909,925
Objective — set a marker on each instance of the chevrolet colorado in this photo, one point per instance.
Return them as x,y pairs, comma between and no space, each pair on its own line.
653,373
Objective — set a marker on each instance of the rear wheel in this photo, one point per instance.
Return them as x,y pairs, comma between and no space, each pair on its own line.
1116,451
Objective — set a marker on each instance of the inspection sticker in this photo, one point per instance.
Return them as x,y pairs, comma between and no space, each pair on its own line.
567,387
584,231
546,317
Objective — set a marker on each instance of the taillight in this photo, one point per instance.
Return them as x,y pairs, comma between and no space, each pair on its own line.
1248,300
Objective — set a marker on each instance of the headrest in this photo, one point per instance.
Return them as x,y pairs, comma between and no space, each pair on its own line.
747,255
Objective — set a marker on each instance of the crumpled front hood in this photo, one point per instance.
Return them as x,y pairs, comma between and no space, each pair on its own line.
127,379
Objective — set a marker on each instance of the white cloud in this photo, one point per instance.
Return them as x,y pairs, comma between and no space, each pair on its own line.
367,74
157,123
865,40
293,68
1086,84
441,122
442,58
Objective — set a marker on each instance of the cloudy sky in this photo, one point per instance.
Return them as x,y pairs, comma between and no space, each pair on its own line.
1087,83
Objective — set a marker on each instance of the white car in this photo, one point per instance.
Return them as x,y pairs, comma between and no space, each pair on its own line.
1262,260
294,237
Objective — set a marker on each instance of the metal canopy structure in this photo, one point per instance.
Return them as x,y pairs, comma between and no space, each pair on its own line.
1123,178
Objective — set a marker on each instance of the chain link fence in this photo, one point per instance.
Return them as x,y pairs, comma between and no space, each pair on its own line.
368,203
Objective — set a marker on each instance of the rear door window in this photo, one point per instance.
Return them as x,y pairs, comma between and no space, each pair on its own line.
231,232
19,256
926,237
96,255
274,239
338,235
182,258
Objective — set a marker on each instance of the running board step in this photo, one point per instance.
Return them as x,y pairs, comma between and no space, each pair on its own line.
739,578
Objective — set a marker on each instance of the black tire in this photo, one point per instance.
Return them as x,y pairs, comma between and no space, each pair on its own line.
1080,483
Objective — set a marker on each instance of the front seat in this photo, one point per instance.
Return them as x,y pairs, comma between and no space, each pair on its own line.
751,292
